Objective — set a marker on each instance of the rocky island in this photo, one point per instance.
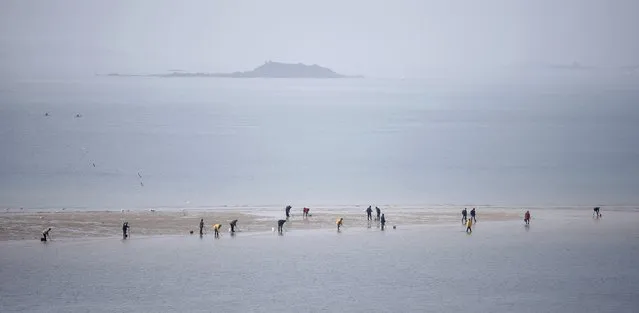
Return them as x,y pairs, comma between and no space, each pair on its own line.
267,70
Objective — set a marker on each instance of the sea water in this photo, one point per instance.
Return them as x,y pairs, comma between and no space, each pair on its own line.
175,143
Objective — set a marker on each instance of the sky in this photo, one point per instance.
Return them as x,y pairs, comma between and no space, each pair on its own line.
369,37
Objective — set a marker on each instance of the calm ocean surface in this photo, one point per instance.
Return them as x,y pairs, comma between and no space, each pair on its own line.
564,262
213,142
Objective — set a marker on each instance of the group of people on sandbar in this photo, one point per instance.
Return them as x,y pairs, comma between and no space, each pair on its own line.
339,222
217,227
466,221
369,217
369,213
305,212
473,215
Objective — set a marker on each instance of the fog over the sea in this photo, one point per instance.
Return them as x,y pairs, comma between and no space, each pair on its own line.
401,38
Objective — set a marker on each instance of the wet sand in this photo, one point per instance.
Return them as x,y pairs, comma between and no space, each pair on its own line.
566,261
83,224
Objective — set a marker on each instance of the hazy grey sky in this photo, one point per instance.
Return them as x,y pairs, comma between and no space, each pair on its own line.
371,37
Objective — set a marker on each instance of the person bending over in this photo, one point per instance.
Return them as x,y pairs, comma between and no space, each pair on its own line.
216,229
233,224
280,226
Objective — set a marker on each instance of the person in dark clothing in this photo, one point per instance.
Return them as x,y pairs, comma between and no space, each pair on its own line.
596,212
472,215
125,230
45,235
369,213
280,226
464,216
527,218
383,221
305,212
288,211
233,224
201,226
378,211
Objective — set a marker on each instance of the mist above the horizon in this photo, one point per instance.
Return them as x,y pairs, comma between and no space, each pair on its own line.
373,38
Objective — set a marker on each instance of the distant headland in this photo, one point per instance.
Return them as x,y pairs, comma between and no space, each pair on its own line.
267,70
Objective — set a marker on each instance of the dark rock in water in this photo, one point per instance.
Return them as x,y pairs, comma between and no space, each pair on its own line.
288,70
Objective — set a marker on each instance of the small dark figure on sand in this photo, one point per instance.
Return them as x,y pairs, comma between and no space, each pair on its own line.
383,221
464,216
369,213
280,226
339,222
201,226
45,235
472,215
305,212
233,224
288,211
125,230
378,211
596,212
527,218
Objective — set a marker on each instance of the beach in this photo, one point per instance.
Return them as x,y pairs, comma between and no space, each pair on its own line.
565,261
87,224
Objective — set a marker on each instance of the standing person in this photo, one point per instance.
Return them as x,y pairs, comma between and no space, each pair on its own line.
233,224
383,221
469,225
339,222
280,226
288,211
378,211
125,230
369,213
216,229
201,226
464,216
305,212
527,218
596,212
472,215
45,235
